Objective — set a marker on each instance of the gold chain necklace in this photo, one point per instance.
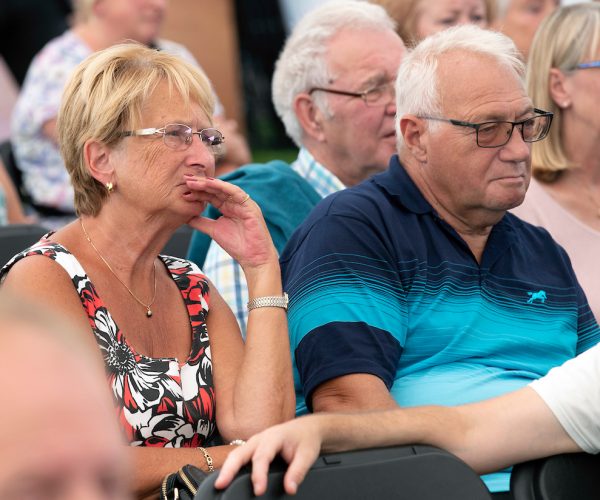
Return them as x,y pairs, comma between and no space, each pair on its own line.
147,306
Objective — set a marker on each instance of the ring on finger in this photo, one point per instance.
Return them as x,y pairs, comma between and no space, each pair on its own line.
246,198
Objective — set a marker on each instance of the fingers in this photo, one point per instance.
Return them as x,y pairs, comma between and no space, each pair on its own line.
217,192
261,460
203,224
302,461
234,462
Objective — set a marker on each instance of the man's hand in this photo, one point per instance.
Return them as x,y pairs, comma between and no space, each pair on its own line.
297,441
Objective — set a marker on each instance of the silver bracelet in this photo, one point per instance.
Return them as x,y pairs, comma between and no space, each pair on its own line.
269,302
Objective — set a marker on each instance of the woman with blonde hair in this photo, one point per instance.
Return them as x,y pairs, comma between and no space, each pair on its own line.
417,19
136,133
564,194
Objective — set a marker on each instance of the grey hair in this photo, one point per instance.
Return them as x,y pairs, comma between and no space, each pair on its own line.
417,86
302,64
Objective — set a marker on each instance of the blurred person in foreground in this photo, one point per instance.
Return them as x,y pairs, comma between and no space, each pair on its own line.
135,128
60,438
417,287
559,413
563,76
520,19
333,90
98,25
418,19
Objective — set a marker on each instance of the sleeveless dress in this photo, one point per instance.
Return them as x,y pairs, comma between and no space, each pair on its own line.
159,401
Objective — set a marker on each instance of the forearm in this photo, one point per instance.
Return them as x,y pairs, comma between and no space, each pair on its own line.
488,436
264,392
13,203
151,465
434,425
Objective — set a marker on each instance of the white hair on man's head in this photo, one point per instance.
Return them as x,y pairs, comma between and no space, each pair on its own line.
302,63
417,84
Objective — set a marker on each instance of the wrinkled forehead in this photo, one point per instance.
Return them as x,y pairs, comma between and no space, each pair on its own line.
466,78
166,102
362,52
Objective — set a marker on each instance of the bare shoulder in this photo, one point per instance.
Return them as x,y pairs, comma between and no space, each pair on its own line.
40,279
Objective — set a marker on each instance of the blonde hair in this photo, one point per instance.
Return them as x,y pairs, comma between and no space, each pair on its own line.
104,97
568,37
406,14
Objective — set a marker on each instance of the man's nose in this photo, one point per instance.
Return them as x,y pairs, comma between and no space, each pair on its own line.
516,149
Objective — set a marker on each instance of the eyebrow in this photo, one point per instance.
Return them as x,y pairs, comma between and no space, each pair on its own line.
503,118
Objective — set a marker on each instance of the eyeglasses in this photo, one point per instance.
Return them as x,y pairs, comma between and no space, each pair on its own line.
495,134
588,65
377,96
178,136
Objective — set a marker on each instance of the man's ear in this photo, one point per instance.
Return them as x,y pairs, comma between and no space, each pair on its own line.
559,88
97,158
309,116
414,133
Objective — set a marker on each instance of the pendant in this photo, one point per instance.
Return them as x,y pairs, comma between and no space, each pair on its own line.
148,313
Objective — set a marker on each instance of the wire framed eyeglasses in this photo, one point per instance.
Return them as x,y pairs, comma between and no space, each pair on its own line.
376,96
179,137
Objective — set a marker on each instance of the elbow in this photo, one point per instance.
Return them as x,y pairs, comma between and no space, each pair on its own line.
246,425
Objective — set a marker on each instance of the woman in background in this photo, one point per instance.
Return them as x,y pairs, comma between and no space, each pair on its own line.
418,19
98,25
564,195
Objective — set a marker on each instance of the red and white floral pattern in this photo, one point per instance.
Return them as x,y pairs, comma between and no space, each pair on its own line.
159,402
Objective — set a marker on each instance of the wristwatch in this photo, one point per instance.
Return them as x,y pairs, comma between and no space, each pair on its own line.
269,302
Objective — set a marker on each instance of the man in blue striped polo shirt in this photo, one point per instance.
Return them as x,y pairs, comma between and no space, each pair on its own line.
417,287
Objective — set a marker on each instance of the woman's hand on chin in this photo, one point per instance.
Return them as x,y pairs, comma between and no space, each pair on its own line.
241,230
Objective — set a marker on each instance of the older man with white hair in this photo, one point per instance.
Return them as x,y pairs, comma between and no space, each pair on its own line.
417,287
333,90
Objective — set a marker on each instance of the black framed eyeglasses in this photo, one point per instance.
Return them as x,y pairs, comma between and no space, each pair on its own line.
179,137
377,96
588,65
494,134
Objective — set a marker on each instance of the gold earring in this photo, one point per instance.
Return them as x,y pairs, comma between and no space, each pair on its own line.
109,187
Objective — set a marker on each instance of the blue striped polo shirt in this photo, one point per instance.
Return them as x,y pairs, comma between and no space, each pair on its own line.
380,284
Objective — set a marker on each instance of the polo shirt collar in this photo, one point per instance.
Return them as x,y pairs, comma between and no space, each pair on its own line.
398,184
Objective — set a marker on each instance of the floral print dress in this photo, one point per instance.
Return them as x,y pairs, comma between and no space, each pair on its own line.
159,401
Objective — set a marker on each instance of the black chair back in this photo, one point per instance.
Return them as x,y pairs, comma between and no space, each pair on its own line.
17,237
561,477
178,245
404,472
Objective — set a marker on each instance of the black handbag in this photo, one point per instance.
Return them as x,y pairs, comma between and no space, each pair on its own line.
183,484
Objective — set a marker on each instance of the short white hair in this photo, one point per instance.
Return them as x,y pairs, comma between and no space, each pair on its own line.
302,63
417,85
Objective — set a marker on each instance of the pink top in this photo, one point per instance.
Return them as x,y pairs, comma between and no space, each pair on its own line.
581,242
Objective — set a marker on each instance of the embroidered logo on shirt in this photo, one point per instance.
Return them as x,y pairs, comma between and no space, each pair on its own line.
539,295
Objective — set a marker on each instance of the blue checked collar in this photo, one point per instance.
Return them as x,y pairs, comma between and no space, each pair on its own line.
320,179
